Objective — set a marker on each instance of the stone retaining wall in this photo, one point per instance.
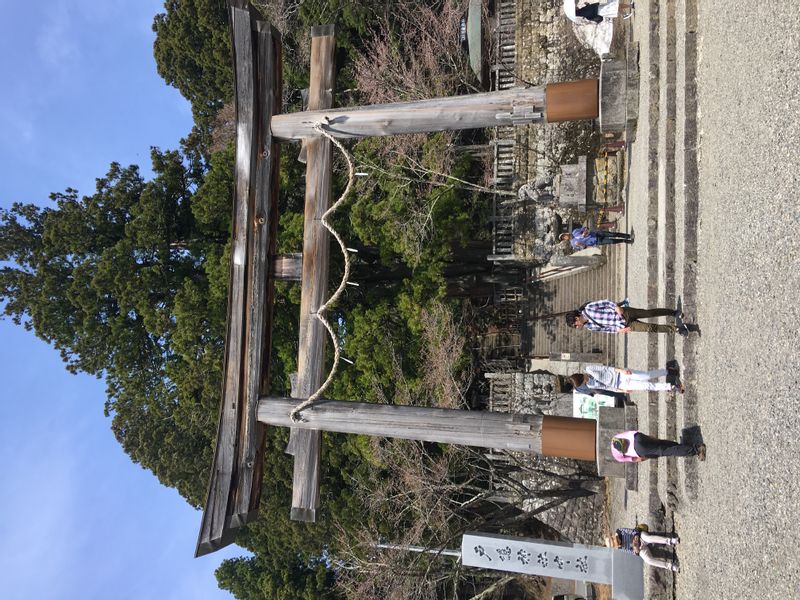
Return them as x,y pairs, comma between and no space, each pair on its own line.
547,52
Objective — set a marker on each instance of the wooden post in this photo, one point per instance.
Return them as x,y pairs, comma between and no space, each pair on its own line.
287,267
316,244
520,433
260,288
536,434
234,488
574,100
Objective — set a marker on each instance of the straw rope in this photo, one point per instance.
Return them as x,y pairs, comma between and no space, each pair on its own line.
322,310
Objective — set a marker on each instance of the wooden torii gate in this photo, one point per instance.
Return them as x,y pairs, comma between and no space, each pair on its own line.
245,409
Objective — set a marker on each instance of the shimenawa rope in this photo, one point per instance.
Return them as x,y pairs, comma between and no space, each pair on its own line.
320,314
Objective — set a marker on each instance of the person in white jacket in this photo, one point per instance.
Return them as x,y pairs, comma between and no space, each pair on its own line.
601,377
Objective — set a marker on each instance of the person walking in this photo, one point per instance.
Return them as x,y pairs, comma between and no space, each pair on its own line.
606,316
635,446
601,378
637,540
583,237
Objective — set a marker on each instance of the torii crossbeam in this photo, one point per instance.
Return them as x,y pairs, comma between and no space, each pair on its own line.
236,474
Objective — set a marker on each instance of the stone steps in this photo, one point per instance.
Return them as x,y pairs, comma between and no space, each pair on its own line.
552,335
673,188
664,213
668,490
660,268
686,177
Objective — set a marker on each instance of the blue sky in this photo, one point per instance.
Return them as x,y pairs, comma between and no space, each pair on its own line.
79,519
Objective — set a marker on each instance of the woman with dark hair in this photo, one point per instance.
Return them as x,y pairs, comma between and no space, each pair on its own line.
635,446
603,378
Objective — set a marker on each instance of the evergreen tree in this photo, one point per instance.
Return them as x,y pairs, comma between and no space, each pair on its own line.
193,54
127,286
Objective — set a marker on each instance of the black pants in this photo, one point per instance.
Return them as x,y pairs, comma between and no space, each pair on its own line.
633,315
590,12
650,447
610,237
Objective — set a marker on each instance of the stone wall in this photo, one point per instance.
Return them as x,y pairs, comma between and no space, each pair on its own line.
547,52
525,393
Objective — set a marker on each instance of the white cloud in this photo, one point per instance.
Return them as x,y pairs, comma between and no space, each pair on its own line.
56,42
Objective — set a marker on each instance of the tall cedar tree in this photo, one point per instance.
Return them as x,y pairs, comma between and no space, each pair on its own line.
193,54
126,285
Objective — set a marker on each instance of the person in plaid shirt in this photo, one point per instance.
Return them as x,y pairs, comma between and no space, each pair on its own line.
606,316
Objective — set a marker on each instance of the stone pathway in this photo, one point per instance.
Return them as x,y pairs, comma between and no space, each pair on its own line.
713,184
661,266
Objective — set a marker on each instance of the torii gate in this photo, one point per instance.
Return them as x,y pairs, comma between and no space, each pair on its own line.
236,475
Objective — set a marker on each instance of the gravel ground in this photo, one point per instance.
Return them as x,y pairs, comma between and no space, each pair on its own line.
744,521
739,522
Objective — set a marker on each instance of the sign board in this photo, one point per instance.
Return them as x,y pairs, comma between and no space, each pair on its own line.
545,558
571,185
584,406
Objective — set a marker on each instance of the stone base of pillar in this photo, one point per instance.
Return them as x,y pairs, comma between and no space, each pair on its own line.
613,96
610,421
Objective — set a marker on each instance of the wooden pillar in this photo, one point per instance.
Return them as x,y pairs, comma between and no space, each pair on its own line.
552,436
235,476
519,433
305,443
287,267
558,102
